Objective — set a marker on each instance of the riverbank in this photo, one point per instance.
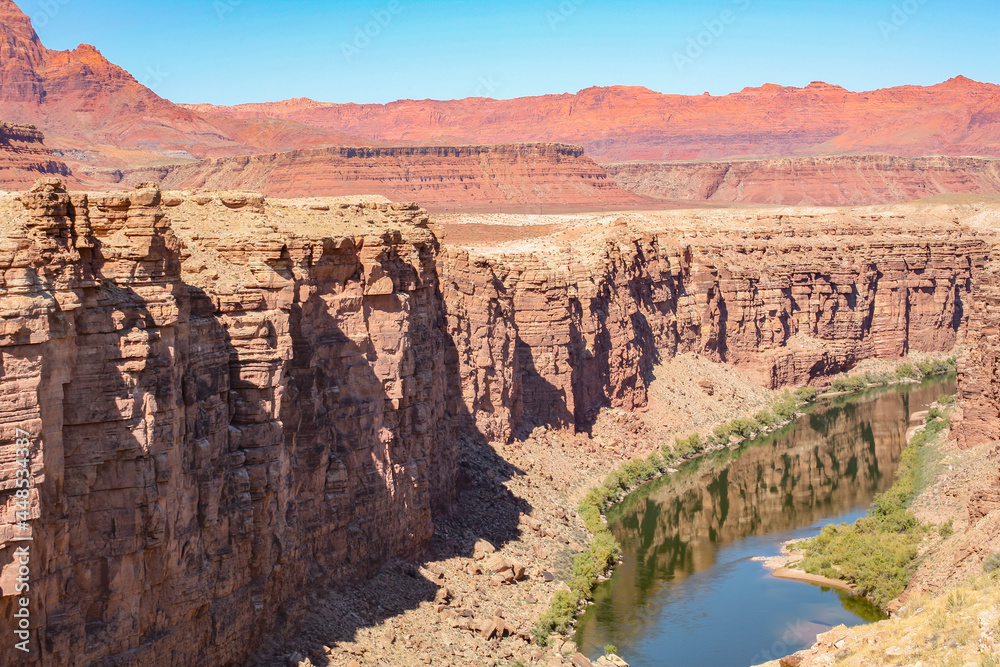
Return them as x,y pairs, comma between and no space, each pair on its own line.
593,565
783,567
948,613
519,500
878,553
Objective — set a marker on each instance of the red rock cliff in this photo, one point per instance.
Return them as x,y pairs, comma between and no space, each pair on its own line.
957,117
552,332
209,440
233,403
453,177
24,158
824,181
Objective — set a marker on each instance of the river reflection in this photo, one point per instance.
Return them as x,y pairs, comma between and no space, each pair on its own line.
688,593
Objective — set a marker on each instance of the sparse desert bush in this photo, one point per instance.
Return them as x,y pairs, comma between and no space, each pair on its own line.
947,529
957,601
992,562
878,552
557,618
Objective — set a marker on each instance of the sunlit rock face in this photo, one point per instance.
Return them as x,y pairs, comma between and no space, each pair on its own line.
230,401
208,441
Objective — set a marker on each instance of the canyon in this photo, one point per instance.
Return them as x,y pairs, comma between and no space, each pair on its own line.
233,400
310,372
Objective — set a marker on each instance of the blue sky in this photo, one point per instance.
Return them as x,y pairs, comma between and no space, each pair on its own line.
232,51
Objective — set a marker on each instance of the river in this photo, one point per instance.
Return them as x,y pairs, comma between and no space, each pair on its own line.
688,592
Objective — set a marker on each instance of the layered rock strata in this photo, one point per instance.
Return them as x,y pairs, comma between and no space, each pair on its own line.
978,421
219,418
444,177
230,401
549,332
619,123
844,180
24,157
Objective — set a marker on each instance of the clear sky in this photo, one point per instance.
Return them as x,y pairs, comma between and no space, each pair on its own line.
232,51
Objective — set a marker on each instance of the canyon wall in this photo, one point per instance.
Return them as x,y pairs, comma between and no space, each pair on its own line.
24,158
229,402
549,334
209,440
452,177
978,420
824,181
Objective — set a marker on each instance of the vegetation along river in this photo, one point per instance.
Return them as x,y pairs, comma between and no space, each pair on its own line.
688,592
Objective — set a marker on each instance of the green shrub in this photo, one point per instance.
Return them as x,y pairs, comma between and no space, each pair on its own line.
557,618
742,428
878,552
805,394
722,433
610,649
657,463
907,372
992,562
763,420
947,529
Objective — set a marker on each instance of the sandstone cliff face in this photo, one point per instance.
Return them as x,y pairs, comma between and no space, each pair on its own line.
549,334
978,421
233,402
823,181
208,441
24,158
453,177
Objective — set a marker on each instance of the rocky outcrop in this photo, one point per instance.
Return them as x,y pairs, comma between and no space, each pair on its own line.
231,403
24,158
978,418
824,181
513,176
219,418
551,335
957,117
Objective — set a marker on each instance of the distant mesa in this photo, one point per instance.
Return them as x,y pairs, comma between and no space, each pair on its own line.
103,126
497,177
